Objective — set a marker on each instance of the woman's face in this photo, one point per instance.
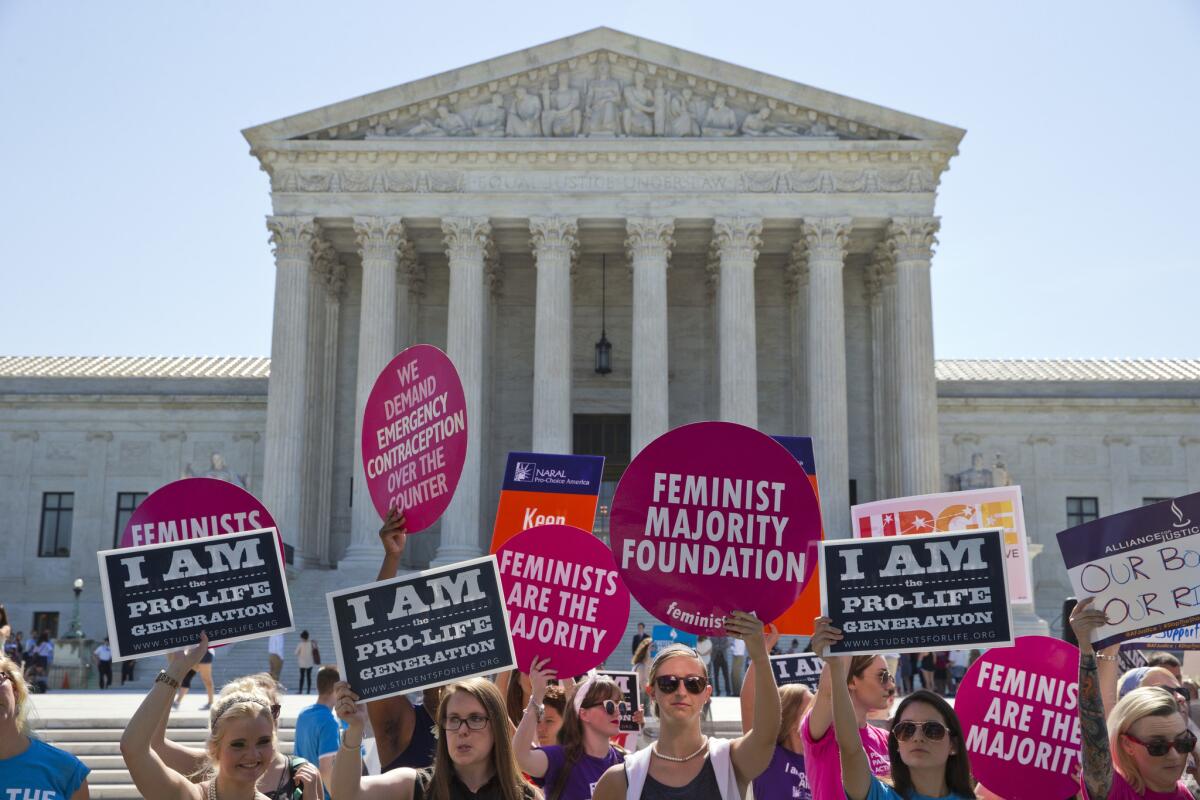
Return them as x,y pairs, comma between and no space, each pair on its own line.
679,704
247,747
921,751
466,746
598,719
875,687
549,726
1159,772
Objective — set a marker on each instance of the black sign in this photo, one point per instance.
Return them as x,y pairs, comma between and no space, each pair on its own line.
937,591
421,630
160,597
802,668
628,683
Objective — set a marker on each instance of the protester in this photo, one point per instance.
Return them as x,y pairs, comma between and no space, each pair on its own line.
1168,662
720,665
927,664
304,660
550,721
906,668
474,752
103,656
317,732
785,777
275,655
639,637
684,762
204,670
641,666
29,767
871,688
44,651
241,743
569,770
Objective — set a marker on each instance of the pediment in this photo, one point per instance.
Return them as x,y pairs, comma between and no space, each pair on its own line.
602,84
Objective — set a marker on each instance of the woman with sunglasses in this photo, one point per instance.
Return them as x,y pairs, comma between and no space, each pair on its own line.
684,763
570,769
474,759
28,766
1142,749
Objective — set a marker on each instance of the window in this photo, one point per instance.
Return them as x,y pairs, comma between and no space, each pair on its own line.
46,621
604,435
1149,501
127,503
1081,510
58,509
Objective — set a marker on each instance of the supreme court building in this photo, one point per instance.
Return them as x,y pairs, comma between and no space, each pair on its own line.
755,250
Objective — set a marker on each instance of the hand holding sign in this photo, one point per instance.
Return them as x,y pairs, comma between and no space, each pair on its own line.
193,655
824,635
352,712
539,678
1086,620
748,628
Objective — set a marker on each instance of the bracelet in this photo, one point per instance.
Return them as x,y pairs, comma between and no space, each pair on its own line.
163,677
347,746
1105,658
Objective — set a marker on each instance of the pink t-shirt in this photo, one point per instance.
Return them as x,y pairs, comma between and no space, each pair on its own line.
823,761
1121,790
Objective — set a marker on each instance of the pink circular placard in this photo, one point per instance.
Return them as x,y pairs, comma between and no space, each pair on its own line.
565,600
711,518
193,508
1020,715
414,435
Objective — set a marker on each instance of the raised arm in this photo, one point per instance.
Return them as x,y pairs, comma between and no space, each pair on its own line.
179,757
152,777
821,717
348,782
531,761
856,769
746,699
1096,758
393,535
752,752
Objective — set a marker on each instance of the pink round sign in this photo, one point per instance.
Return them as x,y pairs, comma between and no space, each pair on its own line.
1019,709
565,600
193,508
414,435
711,518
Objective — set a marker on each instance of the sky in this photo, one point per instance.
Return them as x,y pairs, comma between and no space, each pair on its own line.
131,213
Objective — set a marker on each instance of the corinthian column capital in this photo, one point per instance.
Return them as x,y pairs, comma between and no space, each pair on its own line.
649,237
825,238
913,238
292,237
737,238
554,237
466,237
379,238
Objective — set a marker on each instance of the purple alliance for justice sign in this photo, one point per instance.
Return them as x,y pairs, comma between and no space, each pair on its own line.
711,518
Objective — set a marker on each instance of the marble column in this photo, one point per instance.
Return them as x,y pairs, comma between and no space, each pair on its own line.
881,294
20,541
796,285
283,472
1120,456
468,240
93,534
736,241
649,241
554,245
334,285
379,241
410,284
911,241
1191,456
825,240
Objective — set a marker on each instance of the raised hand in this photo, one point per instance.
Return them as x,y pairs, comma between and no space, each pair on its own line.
539,678
746,626
1084,621
773,636
345,703
190,656
394,533
308,778
824,635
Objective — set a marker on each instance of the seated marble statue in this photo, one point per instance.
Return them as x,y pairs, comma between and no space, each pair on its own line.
720,119
562,116
820,130
490,117
638,116
603,101
759,124
447,124
680,121
525,114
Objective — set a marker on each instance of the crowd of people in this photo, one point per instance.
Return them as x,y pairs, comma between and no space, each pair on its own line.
863,734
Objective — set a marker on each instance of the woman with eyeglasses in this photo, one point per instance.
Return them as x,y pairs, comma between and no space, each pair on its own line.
474,759
1142,749
684,763
570,769
28,766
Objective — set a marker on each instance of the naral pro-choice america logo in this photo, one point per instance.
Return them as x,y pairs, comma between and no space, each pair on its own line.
529,472
524,471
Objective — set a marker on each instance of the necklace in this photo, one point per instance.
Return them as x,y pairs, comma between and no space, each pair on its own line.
212,789
677,759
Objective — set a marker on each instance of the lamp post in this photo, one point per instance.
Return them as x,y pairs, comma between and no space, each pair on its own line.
603,347
76,631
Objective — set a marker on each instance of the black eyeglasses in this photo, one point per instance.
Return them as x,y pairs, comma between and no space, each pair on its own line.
612,707
932,731
668,684
1184,743
475,722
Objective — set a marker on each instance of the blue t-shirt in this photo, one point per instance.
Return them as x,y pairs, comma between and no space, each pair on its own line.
316,735
42,771
881,791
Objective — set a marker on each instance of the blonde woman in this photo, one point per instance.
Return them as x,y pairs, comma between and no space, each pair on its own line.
28,766
241,743
1141,751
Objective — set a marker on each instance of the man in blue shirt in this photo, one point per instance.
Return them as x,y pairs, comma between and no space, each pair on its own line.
317,732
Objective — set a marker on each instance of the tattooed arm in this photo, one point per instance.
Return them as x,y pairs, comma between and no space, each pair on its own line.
1096,759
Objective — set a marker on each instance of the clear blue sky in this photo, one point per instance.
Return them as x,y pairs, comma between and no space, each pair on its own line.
132,214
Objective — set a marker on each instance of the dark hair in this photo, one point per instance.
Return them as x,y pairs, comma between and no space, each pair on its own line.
514,697
509,781
570,736
556,698
303,634
1163,660
327,677
3,615
858,665
958,768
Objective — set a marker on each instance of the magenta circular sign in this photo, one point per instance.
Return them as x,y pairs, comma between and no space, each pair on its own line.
194,508
1019,709
711,518
414,435
564,597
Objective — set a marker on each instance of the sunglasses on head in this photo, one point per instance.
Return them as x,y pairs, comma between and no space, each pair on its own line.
275,710
668,684
611,707
1184,743
932,731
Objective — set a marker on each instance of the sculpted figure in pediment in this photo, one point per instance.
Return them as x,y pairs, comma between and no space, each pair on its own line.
680,121
638,116
720,119
821,131
447,123
490,117
759,124
603,101
525,114
561,116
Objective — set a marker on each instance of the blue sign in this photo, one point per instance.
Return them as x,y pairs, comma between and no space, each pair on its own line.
663,635
549,472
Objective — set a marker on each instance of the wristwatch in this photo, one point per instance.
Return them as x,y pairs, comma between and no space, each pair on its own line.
163,677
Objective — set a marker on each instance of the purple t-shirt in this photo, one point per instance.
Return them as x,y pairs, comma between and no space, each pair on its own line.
584,775
823,761
784,779
1121,790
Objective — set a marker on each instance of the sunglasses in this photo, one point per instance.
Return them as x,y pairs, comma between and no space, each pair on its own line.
1184,743
669,684
612,707
932,731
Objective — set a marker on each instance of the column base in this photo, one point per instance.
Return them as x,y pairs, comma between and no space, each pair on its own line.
453,553
1026,622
